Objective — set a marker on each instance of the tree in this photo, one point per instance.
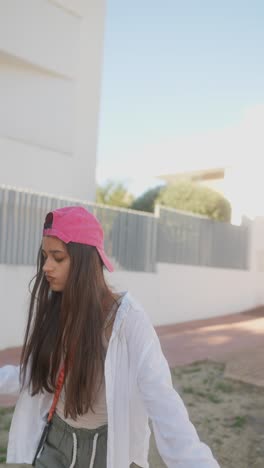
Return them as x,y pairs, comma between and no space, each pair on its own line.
190,196
114,194
146,201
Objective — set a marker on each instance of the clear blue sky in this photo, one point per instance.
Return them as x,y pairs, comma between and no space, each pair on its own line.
173,69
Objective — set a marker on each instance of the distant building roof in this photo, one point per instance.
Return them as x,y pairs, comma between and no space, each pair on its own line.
195,176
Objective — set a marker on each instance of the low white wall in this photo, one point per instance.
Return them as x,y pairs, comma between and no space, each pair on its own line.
179,293
176,293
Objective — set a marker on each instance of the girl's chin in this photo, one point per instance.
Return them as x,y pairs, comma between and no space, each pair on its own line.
56,289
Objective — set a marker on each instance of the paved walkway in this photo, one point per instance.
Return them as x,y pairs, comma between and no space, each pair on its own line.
237,340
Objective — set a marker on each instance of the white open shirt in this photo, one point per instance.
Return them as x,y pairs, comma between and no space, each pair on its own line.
138,387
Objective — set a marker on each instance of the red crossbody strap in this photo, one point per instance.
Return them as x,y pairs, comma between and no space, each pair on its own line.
57,393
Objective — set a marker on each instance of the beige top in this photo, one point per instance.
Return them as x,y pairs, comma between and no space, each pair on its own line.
97,417
89,420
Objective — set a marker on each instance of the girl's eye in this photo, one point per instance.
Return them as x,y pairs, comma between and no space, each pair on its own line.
58,260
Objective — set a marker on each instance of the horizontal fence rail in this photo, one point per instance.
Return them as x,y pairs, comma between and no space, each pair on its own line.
134,241
193,240
130,237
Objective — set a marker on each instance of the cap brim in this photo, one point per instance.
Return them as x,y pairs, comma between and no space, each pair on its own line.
105,260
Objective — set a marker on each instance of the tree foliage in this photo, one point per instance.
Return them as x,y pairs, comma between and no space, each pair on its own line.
146,201
183,195
190,196
114,194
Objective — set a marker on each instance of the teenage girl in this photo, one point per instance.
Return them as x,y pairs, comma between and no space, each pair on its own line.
92,371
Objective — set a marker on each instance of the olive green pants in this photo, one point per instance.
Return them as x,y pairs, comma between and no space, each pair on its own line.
68,447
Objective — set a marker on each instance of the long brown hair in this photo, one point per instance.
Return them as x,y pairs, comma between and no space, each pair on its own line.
67,327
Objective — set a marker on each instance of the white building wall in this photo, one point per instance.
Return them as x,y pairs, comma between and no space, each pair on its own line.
50,75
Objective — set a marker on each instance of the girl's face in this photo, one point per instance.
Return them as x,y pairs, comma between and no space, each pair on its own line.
56,262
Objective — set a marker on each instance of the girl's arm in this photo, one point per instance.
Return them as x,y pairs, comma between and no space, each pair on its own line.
9,380
177,440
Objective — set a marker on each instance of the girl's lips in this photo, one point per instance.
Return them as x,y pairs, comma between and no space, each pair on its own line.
49,278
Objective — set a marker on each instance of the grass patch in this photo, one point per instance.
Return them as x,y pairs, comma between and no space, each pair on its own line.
225,387
6,425
4,411
190,370
213,398
239,421
187,389
200,393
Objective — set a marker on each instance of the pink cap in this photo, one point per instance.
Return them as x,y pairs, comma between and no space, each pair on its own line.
76,224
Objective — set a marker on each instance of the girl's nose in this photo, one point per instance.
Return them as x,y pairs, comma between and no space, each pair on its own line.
47,267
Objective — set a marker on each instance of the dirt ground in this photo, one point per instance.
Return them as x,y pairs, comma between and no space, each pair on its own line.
228,415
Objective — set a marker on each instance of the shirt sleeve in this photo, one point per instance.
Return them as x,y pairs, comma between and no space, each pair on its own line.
9,380
176,437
